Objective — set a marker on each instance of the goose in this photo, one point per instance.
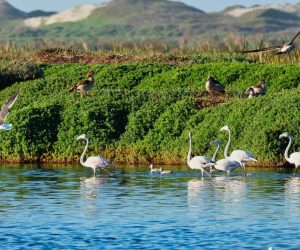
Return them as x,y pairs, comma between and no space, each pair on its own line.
154,170
281,49
84,85
5,111
165,171
294,158
214,87
259,89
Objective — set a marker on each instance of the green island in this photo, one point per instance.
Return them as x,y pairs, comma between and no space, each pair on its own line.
141,111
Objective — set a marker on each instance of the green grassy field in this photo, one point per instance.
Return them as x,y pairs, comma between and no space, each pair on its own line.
141,112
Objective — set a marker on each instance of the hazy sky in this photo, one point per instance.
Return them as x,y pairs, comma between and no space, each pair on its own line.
206,5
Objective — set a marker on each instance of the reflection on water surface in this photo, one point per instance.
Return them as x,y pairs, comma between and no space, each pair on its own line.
65,207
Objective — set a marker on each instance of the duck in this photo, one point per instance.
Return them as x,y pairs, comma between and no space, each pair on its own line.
165,171
214,87
259,89
281,49
84,85
154,170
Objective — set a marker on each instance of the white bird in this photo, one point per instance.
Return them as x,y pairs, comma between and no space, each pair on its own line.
226,165
294,158
241,156
165,171
4,111
282,49
154,170
94,162
198,162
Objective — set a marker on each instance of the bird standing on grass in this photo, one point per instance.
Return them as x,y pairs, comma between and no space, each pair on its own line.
4,111
84,85
214,87
259,89
281,49
94,162
294,158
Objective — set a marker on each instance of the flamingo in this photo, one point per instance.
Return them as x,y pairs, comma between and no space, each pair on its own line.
281,49
94,162
198,162
294,157
241,156
226,165
4,111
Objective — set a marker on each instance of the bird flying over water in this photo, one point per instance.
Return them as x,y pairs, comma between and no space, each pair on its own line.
4,111
84,85
281,49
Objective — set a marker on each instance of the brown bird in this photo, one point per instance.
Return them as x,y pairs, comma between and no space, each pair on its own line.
259,89
214,87
281,49
84,85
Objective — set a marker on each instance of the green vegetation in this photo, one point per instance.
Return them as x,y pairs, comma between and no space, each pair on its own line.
141,112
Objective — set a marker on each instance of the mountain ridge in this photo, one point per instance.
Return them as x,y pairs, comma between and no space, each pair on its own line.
146,20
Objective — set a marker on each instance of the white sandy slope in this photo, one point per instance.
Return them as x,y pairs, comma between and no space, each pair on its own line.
71,15
237,12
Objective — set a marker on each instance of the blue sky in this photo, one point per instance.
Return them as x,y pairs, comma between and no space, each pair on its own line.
211,5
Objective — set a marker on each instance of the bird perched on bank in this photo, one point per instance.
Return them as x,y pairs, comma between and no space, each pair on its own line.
259,89
84,85
214,87
4,111
281,49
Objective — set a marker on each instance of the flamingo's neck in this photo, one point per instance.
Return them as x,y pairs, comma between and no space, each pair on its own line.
227,145
286,152
83,153
190,151
216,153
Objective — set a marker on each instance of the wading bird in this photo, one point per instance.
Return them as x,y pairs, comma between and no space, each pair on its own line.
241,156
198,162
85,85
4,111
94,162
226,165
213,87
259,89
294,157
281,49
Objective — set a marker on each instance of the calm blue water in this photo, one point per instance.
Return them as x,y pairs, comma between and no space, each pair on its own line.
65,208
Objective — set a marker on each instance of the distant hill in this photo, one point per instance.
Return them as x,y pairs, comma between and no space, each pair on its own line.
144,20
7,11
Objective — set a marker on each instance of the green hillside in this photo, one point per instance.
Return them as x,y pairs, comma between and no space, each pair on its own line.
142,112
148,20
